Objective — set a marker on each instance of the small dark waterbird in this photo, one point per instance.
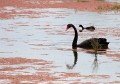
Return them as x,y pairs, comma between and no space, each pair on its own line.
92,43
91,28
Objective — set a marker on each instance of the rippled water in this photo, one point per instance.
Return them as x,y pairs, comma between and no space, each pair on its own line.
40,34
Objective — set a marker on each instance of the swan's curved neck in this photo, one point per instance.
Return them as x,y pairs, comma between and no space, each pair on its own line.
74,44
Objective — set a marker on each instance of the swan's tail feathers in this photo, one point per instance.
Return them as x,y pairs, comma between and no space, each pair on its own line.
103,41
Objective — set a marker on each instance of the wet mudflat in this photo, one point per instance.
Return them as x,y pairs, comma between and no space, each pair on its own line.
35,48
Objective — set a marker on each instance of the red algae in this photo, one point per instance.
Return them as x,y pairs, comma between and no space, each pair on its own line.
18,60
36,78
70,75
89,5
12,68
115,56
12,73
98,76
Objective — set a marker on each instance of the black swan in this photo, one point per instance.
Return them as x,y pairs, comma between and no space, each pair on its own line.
93,43
91,28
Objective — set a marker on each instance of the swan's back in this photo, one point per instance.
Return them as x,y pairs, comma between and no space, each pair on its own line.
85,44
90,43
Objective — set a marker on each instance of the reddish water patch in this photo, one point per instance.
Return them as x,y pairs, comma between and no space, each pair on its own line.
36,78
12,68
19,61
18,74
70,75
89,5
114,56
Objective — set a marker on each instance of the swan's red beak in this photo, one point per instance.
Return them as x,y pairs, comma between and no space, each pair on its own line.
67,28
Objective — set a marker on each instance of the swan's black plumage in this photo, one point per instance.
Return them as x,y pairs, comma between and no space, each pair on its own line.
101,43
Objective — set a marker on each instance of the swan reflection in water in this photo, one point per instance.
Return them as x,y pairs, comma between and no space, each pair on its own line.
95,64
75,59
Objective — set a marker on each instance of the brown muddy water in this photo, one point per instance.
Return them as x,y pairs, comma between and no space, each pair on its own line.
36,49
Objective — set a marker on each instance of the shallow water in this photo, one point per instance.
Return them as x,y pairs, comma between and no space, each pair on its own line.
34,41
118,1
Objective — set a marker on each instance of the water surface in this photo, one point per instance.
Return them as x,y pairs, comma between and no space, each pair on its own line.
34,43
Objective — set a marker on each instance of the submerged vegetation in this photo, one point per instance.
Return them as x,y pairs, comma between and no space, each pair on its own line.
115,7
100,0
82,0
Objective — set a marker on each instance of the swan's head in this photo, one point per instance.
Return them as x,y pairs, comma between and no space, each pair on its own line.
69,26
80,25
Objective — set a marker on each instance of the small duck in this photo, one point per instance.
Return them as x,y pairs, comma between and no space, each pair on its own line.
91,28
